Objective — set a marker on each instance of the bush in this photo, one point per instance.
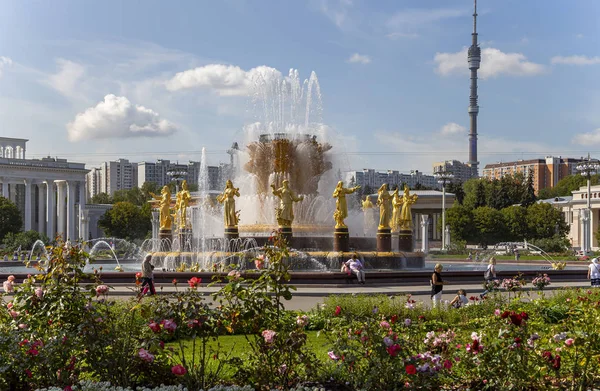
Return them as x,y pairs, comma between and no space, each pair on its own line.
555,244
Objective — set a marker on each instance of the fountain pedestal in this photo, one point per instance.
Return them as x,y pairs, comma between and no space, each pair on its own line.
384,240
286,234
167,235
341,239
405,240
231,233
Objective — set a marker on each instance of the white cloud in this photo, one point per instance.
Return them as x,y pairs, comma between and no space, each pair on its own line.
575,60
579,36
452,128
225,80
335,10
591,138
117,117
403,23
359,58
493,63
4,62
67,77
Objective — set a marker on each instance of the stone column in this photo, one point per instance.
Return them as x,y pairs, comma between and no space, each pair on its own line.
425,234
50,210
41,212
27,183
83,233
60,209
5,193
71,211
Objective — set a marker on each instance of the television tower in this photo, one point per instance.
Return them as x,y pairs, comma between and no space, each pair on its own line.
474,60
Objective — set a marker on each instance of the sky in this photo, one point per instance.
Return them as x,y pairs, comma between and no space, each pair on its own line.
93,81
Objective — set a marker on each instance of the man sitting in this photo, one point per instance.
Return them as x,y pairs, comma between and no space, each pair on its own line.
356,267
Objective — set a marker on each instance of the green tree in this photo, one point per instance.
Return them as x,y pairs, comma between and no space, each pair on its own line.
456,188
126,220
515,220
101,198
10,217
134,195
460,220
545,221
472,200
480,196
23,240
568,184
528,197
489,225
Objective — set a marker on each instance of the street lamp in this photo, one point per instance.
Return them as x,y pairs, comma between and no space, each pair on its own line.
176,174
586,167
443,178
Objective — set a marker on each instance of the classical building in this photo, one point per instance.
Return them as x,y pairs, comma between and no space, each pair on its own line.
374,179
49,192
546,172
462,171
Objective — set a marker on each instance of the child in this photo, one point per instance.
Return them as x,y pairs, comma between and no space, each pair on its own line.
148,276
460,300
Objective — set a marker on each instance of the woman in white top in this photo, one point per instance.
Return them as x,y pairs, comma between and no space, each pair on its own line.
594,273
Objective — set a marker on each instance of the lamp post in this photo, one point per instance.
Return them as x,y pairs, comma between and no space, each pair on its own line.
443,178
176,173
586,167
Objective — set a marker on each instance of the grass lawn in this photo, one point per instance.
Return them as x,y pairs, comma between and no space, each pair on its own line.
239,347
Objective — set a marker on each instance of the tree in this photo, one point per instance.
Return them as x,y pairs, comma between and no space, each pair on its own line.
456,188
126,220
23,240
515,220
480,197
545,221
460,220
10,217
101,198
528,197
489,225
470,188
134,195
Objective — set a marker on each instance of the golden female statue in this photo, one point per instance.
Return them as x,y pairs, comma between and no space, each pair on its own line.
396,205
285,213
405,214
385,206
183,199
164,206
227,198
341,206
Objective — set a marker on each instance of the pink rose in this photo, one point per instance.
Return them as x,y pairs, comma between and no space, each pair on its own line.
497,312
333,356
259,262
234,275
101,290
145,355
302,320
178,370
14,314
169,325
22,326
569,341
269,336
384,324
9,305
39,292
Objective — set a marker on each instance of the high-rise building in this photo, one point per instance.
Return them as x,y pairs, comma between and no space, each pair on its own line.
546,172
461,171
112,176
374,179
158,172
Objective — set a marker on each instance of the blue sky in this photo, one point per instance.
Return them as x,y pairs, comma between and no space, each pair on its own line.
95,81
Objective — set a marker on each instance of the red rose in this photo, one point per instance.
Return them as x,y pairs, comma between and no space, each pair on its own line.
394,319
516,319
556,362
524,315
178,370
505,314
194,282
338,310
411,369
393,350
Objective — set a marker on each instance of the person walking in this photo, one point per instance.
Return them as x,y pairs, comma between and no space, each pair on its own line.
148,276
594,273
437,284
356,267
489,275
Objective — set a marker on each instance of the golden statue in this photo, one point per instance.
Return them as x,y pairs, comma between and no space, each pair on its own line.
341,206
285,213
164,206
396,206
184,201
405,214
227,198
385,206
